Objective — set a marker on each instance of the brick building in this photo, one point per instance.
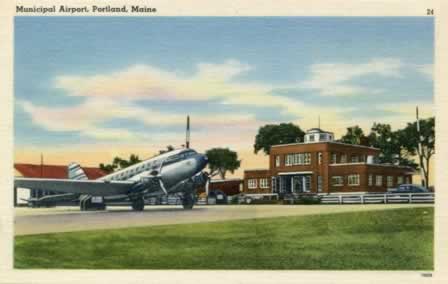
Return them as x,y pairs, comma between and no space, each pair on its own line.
322,165
228,186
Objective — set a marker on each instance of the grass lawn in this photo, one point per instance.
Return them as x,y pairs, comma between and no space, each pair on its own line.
394,239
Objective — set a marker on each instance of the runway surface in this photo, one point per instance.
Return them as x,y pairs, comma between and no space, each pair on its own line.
66,219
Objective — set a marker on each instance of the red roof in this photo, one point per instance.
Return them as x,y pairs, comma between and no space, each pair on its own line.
54,171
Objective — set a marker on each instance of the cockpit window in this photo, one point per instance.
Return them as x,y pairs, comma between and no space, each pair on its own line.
182,155
172,158
189,153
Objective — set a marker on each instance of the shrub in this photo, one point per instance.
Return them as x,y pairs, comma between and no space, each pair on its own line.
306,199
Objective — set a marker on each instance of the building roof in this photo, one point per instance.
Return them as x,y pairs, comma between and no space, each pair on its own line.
226,180
256,170
374,165
331,142
54,171
317,130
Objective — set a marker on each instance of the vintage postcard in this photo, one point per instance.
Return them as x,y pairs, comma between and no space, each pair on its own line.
150,142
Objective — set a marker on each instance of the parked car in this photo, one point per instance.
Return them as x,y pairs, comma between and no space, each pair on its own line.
408,188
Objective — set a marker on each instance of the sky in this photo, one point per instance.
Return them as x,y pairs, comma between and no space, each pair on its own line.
89,88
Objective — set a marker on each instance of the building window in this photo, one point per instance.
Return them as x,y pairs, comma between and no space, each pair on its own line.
307,159
337,181
370,182
252,183
390,181
298,159
333,158
277,161
288,160
379,180
319,183
311,138
319,157
353,180
408,180
355,159
400,180
344,158
264,183
274,184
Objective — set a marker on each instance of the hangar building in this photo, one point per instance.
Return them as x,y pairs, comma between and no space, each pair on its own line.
322,165
45,171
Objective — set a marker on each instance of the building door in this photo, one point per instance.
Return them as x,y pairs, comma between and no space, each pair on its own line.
307,183
296,184
301,183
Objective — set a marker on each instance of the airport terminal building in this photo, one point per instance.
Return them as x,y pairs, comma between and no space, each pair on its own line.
322,165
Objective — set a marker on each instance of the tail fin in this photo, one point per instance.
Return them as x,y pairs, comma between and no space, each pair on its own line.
76,172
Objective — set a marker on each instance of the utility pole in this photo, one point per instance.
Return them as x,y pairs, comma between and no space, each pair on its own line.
187,138
420,151
41,165
41,192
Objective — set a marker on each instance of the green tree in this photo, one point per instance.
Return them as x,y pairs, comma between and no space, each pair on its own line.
411,140
355,135
222,160
391,144
275,134
119,163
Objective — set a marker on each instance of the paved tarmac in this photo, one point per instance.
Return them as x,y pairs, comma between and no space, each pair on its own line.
67,219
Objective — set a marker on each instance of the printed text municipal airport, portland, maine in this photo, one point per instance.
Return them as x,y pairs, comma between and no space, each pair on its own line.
85,9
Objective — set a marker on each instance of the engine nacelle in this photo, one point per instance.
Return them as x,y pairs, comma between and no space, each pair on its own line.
200,179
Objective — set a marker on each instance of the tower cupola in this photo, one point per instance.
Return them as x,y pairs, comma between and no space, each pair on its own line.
318,135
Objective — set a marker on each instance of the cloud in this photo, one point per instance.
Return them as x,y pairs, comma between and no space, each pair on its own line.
336,79
88,117
118,95
145,82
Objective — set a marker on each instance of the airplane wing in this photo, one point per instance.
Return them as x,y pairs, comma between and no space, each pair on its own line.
91,187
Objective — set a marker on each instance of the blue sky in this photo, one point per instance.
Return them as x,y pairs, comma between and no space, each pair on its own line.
92,80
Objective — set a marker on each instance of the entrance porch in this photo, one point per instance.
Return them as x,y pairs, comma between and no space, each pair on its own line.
292,183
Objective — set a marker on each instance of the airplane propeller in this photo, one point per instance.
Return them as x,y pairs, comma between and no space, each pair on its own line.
208,177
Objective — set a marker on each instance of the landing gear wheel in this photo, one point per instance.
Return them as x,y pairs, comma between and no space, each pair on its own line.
188,201
138,204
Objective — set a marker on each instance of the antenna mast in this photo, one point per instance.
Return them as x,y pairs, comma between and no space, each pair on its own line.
187,137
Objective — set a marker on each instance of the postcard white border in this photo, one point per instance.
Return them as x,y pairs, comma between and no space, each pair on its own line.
231,8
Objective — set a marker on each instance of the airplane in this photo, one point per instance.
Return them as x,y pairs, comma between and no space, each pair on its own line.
174,172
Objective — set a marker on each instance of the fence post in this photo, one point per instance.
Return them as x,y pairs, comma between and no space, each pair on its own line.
340,199
385,198
362,199
410,197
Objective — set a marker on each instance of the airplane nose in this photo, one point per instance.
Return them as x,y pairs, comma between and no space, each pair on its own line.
203,160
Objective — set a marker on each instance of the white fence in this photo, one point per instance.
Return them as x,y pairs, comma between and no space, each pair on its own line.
378,198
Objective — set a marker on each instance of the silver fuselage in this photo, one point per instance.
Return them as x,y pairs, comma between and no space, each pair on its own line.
173,168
